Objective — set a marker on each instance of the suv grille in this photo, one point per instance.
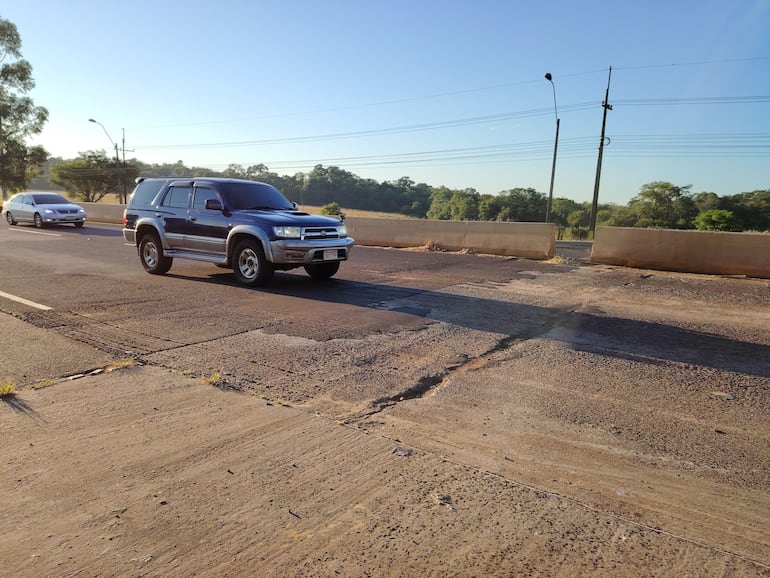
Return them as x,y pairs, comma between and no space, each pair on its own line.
309,233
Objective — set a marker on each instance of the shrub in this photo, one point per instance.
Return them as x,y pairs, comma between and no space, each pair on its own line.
331,209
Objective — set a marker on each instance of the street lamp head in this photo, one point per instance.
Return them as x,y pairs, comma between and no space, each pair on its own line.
548,76
91,120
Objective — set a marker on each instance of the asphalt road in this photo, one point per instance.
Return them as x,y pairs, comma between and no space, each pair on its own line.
98,293
634,396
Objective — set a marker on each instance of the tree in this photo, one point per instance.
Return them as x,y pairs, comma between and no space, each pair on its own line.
522,204
19,117
751,209
716,220
464,205
663,205
706,201
439,204
561,208
90,176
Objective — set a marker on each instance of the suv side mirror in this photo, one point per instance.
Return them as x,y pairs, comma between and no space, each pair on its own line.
213,205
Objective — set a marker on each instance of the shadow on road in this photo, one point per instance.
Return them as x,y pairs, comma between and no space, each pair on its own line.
641,341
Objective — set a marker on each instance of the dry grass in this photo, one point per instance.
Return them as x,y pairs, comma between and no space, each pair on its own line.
357,213
7,389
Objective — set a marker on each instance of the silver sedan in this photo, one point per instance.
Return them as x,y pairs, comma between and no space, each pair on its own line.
43,209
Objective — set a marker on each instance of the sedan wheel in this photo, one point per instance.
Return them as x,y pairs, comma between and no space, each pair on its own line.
38,221
9,218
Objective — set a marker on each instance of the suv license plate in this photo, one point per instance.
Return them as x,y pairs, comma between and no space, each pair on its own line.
330,255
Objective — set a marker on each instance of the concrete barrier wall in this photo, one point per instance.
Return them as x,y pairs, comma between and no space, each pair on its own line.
689,251
529,240
103,213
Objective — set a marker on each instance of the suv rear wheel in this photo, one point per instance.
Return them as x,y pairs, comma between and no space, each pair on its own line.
250,265
151,255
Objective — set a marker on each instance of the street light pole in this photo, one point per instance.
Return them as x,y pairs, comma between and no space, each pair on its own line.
121,191
548,207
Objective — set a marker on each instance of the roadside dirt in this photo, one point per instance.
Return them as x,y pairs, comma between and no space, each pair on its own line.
594,421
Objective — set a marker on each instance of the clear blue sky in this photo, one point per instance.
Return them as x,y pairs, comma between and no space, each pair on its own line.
446,92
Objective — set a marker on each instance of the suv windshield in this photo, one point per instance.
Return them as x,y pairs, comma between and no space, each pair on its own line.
244,196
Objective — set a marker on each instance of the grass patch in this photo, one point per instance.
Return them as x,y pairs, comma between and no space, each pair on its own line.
215,379
119,364
7,389
43,384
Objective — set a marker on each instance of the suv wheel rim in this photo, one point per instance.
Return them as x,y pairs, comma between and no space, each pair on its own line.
248,263
150,254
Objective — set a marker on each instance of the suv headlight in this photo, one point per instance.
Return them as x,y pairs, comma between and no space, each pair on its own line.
342,231
288,232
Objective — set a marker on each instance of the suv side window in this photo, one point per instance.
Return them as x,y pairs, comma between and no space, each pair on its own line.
201,195
145,192
177,197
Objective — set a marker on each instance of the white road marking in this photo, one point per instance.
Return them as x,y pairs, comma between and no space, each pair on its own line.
25,301
30,231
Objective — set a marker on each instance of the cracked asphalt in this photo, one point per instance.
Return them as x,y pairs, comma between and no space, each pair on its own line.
425,413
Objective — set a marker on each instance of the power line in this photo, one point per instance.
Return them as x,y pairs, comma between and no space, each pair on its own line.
469,121
648,146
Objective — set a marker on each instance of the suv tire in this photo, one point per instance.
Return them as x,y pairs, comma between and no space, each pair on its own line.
151,255
250,265
322,271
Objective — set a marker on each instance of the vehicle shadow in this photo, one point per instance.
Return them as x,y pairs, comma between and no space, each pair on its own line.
87,231
595,332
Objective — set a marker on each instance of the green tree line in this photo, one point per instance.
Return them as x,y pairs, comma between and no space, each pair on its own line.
92,175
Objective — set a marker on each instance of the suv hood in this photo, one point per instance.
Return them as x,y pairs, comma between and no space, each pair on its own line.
287,218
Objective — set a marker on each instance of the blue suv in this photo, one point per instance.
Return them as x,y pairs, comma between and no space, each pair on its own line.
244,225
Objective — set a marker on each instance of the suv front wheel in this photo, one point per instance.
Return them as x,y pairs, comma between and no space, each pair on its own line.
250,265
151,255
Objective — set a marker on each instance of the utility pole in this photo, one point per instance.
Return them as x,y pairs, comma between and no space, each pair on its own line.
595,205
123,198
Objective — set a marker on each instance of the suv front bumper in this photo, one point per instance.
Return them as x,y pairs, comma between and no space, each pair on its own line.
299,252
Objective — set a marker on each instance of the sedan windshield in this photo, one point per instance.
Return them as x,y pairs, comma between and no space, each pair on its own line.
49,199
245,196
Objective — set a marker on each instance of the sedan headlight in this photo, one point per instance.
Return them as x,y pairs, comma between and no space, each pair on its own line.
288,232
